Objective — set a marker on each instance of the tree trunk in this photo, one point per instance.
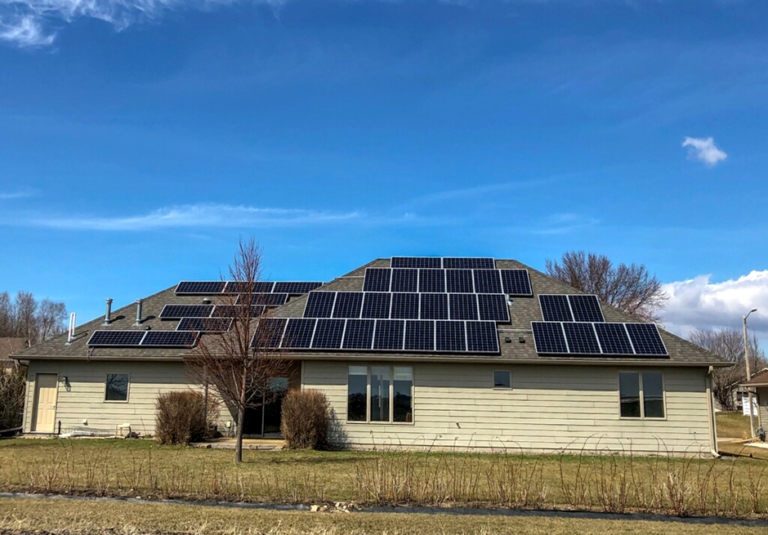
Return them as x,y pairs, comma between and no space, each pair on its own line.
239,443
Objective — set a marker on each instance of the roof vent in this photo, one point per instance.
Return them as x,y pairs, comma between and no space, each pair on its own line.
138,311
207,300
71,330
521,339
108,315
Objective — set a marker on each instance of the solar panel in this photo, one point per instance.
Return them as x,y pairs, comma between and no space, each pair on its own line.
298,333
420,335
463,306
236,311
459,281
487,281
450,336
377,280
200,287
482,337
613,339
270,300
468,263
319,304
581,338
174,312
296,288
388,335
358,334
646,339
405,280
376,305
348,305
555,307
258,287
328,334
431,280
208,325
585,308
434,306
415,262
116,338
516,282
549,338
405,306
269,333
169,339
493,307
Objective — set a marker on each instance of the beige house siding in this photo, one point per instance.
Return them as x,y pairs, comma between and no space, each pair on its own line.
762,405
83,397
548,408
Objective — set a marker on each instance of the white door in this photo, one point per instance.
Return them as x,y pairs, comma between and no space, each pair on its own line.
46,389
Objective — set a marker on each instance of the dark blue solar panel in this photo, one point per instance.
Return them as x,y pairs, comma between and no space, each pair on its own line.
459,281
493,307
405,280
319,304
487,281
358,334
174,312
377,279
389,335
450,336
296,288
415,262
646,339
328,334
376,305
236,311
271,300
348,305
613,339
208,325
431,280
405,306
555,308
434,306
420,335
169,339
585,308
298,333
468,263
482,337
200,287
549,338
269,333
581,338
116,338
240,287
463,306
516,282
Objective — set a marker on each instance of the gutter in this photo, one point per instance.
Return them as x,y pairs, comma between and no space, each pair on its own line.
711,414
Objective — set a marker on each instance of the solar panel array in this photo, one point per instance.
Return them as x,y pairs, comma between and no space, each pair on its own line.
235,287
410,305
444,262
598,338
181,339
386,335
448,280
560,307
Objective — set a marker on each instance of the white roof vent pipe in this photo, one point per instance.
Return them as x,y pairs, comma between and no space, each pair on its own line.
71,330
108,315
138,311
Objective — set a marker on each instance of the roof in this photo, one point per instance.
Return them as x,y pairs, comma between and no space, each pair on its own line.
761,379
519,349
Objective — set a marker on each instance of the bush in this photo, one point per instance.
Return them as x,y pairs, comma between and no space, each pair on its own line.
304,422
181,418
12,385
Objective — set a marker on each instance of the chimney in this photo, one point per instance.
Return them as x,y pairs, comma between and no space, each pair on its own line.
138,311
108,315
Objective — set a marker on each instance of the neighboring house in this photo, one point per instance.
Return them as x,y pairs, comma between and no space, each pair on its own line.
447,353
759,386
9,346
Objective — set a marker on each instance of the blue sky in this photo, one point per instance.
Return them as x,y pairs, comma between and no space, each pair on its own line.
141,138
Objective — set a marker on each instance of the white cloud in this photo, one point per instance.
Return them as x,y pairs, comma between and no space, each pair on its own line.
24,30
704,150
19,194
699,303
190,216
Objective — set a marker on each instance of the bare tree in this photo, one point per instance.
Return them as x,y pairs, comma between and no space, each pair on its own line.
728,344
630,288
50,319
26,320
7,316
241,362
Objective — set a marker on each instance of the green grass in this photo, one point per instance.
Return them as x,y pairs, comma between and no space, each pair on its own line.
51,516
732,425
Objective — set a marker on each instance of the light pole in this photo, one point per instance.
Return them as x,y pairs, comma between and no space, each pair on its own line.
749,374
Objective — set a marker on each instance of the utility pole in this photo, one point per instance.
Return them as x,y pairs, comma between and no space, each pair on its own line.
749,374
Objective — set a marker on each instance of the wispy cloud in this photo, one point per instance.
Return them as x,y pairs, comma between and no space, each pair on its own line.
704,150
190,216
18,194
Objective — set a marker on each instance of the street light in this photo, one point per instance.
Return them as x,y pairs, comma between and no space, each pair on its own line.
749,374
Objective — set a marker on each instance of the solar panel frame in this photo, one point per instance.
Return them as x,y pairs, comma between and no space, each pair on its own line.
459,281
328,333
405,306
176,311
516,282
419,335
581,338
185,339
405,280
296,287
487,281
468,263
123,338
358,334
586,307
463,307
555,307
431,281
549,338
482,337
646,339
376,305
377,280
613,338
319,304
298,333
205,325
389,335
451,336
493,307
425,262
348,305
433,306
199,287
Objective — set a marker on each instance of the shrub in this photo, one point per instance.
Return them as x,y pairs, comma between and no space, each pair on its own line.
12,385
304,422
181,418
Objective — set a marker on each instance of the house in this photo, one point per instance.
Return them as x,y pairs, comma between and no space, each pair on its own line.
759,387
9,346
475,353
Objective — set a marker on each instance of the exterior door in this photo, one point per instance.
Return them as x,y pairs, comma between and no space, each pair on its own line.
46,389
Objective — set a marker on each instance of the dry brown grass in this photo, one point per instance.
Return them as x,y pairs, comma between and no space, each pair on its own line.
732,425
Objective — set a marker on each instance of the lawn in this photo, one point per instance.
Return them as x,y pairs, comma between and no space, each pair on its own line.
732,487
732,424
58,516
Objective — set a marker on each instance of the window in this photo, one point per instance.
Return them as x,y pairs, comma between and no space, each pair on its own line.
641,394
380,394
502,379
117,387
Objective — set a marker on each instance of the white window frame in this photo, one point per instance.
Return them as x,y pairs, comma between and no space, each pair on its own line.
391,421
642,395
128,392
